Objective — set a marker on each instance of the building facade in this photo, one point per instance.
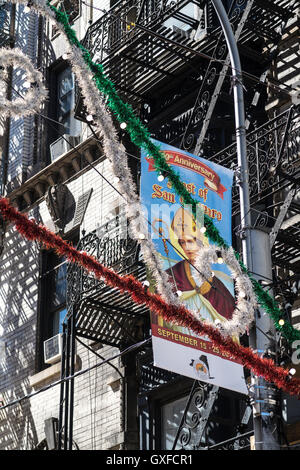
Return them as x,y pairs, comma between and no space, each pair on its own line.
169,60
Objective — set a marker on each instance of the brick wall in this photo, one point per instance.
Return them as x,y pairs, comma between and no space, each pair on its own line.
97,419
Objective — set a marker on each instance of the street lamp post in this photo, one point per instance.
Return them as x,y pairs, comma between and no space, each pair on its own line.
254,244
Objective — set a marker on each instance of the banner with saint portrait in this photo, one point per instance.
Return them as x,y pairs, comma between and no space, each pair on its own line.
178,237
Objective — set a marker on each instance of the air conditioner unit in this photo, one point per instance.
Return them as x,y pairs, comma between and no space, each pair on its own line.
63,145
52,349
181,32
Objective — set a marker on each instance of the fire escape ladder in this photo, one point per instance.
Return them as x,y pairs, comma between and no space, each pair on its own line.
213,81
273,152
211,86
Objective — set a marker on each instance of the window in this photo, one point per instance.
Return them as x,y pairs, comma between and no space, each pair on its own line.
208,420
52,299
66,103
64,131
171,415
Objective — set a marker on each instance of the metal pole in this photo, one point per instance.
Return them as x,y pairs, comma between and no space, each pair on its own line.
72,370
62,388
247,234
240,128
264,393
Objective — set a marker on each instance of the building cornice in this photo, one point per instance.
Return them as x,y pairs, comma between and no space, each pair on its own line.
67,166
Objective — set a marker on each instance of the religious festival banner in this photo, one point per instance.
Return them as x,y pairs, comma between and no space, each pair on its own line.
178,238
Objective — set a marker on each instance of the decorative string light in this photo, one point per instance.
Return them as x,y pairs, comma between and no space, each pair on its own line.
119,167
140,136
123,125
243,314
113,149
219,257
263,367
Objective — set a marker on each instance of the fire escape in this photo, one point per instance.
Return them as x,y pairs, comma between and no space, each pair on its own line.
169,60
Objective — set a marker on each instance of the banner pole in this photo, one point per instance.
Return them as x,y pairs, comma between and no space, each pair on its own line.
243,180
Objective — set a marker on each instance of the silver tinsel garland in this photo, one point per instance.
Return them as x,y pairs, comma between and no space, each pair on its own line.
29,102
246,304
116,154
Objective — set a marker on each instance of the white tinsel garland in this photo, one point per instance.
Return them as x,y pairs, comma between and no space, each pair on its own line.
116,155
246,303
36,93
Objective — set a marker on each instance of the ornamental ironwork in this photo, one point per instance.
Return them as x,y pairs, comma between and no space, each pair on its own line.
101,312
116,27
112,247
239,442
196,416
271,167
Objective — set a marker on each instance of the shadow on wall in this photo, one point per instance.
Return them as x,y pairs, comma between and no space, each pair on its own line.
19,262
18,305
27,154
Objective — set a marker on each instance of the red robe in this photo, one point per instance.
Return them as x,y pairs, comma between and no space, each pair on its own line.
218,295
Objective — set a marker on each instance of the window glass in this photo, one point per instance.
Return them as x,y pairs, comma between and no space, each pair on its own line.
65,95
60,285
66,103
171,415
191,11
58,318
55,287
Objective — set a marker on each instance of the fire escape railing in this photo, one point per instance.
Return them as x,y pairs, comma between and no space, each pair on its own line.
112,247
239,442
270,170
102,313
116,27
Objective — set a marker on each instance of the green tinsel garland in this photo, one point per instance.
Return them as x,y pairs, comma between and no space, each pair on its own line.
140,137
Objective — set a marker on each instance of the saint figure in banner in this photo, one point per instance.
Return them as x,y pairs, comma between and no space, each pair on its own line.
211,300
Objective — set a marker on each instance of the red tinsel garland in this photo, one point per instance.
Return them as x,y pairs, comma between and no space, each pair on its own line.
180,315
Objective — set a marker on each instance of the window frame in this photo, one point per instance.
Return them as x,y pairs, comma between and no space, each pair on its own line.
151,404
44,313
54,129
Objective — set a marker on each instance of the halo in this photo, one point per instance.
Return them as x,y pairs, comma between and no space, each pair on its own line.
246,303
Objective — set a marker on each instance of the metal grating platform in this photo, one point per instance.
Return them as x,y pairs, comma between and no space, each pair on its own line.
110,317
142,48
103,313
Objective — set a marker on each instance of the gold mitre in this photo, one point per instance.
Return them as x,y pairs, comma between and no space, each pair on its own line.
182,224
